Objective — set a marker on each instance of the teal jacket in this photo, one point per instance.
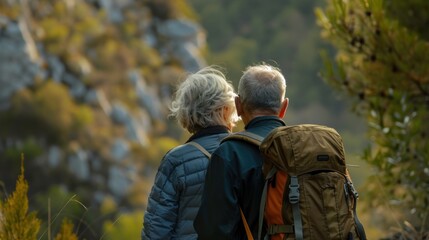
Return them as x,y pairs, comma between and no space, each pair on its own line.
234,180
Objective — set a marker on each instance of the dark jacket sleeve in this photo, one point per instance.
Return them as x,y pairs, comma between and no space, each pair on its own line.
161,215
219,216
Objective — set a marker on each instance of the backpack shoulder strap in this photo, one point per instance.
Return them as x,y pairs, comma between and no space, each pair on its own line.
246,226
245,136
201,148
355,195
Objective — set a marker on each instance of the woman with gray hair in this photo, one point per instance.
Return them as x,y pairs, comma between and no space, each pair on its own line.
203,105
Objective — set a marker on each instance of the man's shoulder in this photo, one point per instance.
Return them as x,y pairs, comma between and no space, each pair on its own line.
234,148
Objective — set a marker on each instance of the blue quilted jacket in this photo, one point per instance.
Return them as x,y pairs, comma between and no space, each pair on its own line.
176,194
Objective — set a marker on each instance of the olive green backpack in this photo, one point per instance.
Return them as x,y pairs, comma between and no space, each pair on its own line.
317,200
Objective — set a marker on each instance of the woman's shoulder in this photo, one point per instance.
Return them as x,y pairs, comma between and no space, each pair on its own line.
185,151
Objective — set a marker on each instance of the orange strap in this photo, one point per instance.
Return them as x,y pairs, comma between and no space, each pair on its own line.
246,226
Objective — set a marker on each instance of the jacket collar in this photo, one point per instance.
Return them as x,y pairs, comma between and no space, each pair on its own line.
262,120
208,131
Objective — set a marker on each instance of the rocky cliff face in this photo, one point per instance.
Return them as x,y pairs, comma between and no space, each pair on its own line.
104,72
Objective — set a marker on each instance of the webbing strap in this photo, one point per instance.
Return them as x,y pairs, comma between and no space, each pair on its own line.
246,226
264,201
359,226
294,200
203,150
245,136
252,135
262,209
276,229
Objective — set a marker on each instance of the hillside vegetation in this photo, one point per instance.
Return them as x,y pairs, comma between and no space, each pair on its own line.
84,94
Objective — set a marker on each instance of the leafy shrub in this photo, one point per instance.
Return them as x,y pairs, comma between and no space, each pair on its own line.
66,231
389,87
15,221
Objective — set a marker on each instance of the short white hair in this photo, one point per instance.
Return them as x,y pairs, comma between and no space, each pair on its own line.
200,100
262,87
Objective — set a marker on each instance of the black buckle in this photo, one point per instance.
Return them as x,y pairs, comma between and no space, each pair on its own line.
294,190
353,190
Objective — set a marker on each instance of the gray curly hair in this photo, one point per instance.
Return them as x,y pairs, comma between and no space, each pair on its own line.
200,100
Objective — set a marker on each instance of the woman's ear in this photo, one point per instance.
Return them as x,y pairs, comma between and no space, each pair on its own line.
227,117
283,108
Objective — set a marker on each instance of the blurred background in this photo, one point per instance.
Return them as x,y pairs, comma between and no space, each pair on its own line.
85,87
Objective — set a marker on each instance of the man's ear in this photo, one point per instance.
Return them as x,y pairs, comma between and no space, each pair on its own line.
283,108
238,106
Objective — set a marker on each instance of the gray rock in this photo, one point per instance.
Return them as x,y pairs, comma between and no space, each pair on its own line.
92,98
131,173
143,120
77,88
185,40
114,9
4,21
136,79
54,156
150,39
99,196
118,182
189,55
96,163
13,31
119,113
78,164
18,66
178,29
57,67
136,133
120,149
147,98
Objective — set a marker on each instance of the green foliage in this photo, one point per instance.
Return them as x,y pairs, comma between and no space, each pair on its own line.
108,206
16,223
184,9
59,203
66,29
12,11
54,35
30,146
31,113
406,12
166,9
382,65
164,144
66,231
127,226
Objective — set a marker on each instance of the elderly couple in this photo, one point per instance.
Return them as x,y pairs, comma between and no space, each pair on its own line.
197,198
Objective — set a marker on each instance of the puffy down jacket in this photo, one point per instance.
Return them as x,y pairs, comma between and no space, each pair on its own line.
176,194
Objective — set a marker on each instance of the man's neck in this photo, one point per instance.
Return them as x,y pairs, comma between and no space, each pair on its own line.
247,117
